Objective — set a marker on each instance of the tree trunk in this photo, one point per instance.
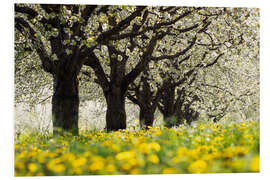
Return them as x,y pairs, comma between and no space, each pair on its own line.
146,117
170,120
65,104
116,113
173,117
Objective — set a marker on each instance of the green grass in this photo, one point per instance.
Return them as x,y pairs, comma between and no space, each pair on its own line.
205,147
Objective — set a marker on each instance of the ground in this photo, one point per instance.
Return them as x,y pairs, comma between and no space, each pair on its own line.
204,147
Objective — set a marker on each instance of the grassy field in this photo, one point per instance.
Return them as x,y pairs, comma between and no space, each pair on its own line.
204,147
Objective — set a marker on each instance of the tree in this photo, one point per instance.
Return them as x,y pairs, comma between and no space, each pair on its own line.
148,93
117,44
231,86
56,34
174,100
129,53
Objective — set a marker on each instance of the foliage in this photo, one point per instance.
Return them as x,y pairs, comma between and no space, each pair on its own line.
117,36
204,147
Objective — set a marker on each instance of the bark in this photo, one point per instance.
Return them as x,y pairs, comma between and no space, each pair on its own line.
116,113
179,116
146,117
171,120
65,103
168,108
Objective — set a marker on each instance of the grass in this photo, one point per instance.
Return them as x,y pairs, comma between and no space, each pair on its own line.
204,147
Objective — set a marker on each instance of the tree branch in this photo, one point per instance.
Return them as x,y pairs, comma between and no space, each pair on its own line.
177,54
104,37
94,63
155,27
26,10
46,63
146,57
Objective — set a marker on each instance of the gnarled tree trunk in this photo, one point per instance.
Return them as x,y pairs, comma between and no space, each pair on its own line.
65,103
116,112
146,117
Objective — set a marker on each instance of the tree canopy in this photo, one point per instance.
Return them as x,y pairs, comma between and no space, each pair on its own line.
206,58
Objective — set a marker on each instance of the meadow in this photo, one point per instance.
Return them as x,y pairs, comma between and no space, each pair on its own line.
204,147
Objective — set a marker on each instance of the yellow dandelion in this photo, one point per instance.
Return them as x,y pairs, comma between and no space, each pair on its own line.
79,162
115,147
175,160
17,146
241,151
238,164
40,174
155,146
19,165
126,166
182,151
169,171
201,127
96,166
125,155
135,171
107,143
68,157
144,148
218,139
255,164
133,162
59,168
153,159
32,167
77,171
203,149
198,166
193,154
110,168
158,132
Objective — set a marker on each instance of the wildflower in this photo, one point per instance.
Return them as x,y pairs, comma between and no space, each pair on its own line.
203,149
153,159
79,162
126,166
32,167
68,157
169,171
125,155
19,165
193,154
144,148
107,143
158,132
96,166
201,127
228,153
181,151
175,160
255,164
237,164
198,166
59,168
207,157
40,174
17,146
155,146
110,168
133,162
218,138
240,151
115,147
135,171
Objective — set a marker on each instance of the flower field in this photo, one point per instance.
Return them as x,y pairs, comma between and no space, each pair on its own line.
204,147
